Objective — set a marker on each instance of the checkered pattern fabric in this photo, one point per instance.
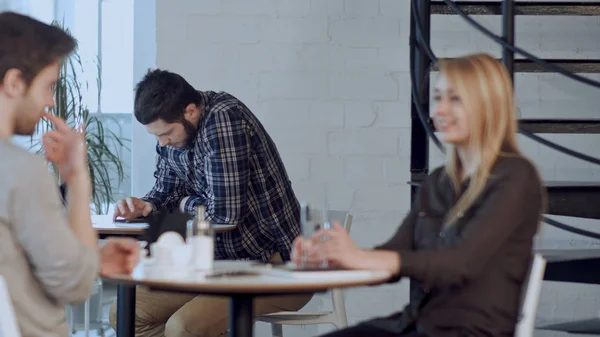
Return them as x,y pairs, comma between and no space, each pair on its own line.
234,169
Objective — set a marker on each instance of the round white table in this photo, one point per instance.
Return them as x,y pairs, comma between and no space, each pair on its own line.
107,227
241,289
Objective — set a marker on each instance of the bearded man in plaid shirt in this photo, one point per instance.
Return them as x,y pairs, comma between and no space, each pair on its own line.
212,151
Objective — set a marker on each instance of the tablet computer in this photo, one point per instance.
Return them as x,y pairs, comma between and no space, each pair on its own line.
143,219
165,221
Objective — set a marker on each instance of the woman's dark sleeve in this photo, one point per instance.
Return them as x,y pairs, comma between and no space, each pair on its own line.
403,239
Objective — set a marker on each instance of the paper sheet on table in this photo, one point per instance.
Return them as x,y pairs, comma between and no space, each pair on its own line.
131,225
327,274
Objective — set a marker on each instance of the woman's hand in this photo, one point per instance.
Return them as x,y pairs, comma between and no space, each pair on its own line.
303,252
333,245
336,246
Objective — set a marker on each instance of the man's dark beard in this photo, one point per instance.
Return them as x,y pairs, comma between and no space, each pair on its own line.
190,131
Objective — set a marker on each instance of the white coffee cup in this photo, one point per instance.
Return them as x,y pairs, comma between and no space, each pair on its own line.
162,254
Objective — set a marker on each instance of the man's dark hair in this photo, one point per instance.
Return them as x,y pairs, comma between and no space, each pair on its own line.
163,95
29,45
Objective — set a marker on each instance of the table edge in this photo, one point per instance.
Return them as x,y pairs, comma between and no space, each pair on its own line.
235,289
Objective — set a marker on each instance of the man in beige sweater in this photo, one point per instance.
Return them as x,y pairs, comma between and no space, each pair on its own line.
48,258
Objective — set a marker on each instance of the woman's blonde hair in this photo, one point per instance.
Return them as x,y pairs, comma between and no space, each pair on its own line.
486,92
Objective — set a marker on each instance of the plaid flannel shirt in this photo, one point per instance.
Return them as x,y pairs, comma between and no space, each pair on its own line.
234,169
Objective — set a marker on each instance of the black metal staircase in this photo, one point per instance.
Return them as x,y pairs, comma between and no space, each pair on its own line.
562,8
573,199
566,125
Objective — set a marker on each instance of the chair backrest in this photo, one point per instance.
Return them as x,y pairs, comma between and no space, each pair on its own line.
8,321
530,296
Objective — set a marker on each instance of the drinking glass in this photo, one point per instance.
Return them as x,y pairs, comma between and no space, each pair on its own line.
311,222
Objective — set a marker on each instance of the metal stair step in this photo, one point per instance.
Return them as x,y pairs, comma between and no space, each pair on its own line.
585,126
566,264
568,198
575,271
588,66
563,255
580,265
586,326
575,199
573,8
574,266
559,125
572,65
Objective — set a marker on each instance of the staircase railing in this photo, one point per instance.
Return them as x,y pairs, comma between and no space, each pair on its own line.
421,58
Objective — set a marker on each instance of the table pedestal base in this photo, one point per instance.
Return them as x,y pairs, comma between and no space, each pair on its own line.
125,310
241,316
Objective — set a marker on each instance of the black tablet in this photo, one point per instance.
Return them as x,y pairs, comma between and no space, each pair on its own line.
165,221
143,219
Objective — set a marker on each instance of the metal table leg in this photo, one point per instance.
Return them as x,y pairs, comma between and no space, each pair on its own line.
125,310
240,316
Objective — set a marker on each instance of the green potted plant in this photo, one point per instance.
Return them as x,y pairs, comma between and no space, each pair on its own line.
101,142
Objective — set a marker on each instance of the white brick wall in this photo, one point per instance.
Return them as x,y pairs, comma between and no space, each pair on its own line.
328,78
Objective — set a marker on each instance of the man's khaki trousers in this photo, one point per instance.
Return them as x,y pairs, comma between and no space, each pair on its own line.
159,314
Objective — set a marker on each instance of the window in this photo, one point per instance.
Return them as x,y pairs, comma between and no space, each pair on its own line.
104,31
117,56
42,10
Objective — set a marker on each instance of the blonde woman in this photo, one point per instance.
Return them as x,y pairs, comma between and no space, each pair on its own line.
466,243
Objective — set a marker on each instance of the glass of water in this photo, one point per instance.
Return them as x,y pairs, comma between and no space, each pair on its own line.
312,221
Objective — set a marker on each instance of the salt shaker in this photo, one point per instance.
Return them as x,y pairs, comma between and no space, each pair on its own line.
203,242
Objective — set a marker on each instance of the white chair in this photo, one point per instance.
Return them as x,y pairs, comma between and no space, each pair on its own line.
88,315
336,317
530,297
8,320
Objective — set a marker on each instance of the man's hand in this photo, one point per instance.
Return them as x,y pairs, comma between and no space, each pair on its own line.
119,256
132,208
65,148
